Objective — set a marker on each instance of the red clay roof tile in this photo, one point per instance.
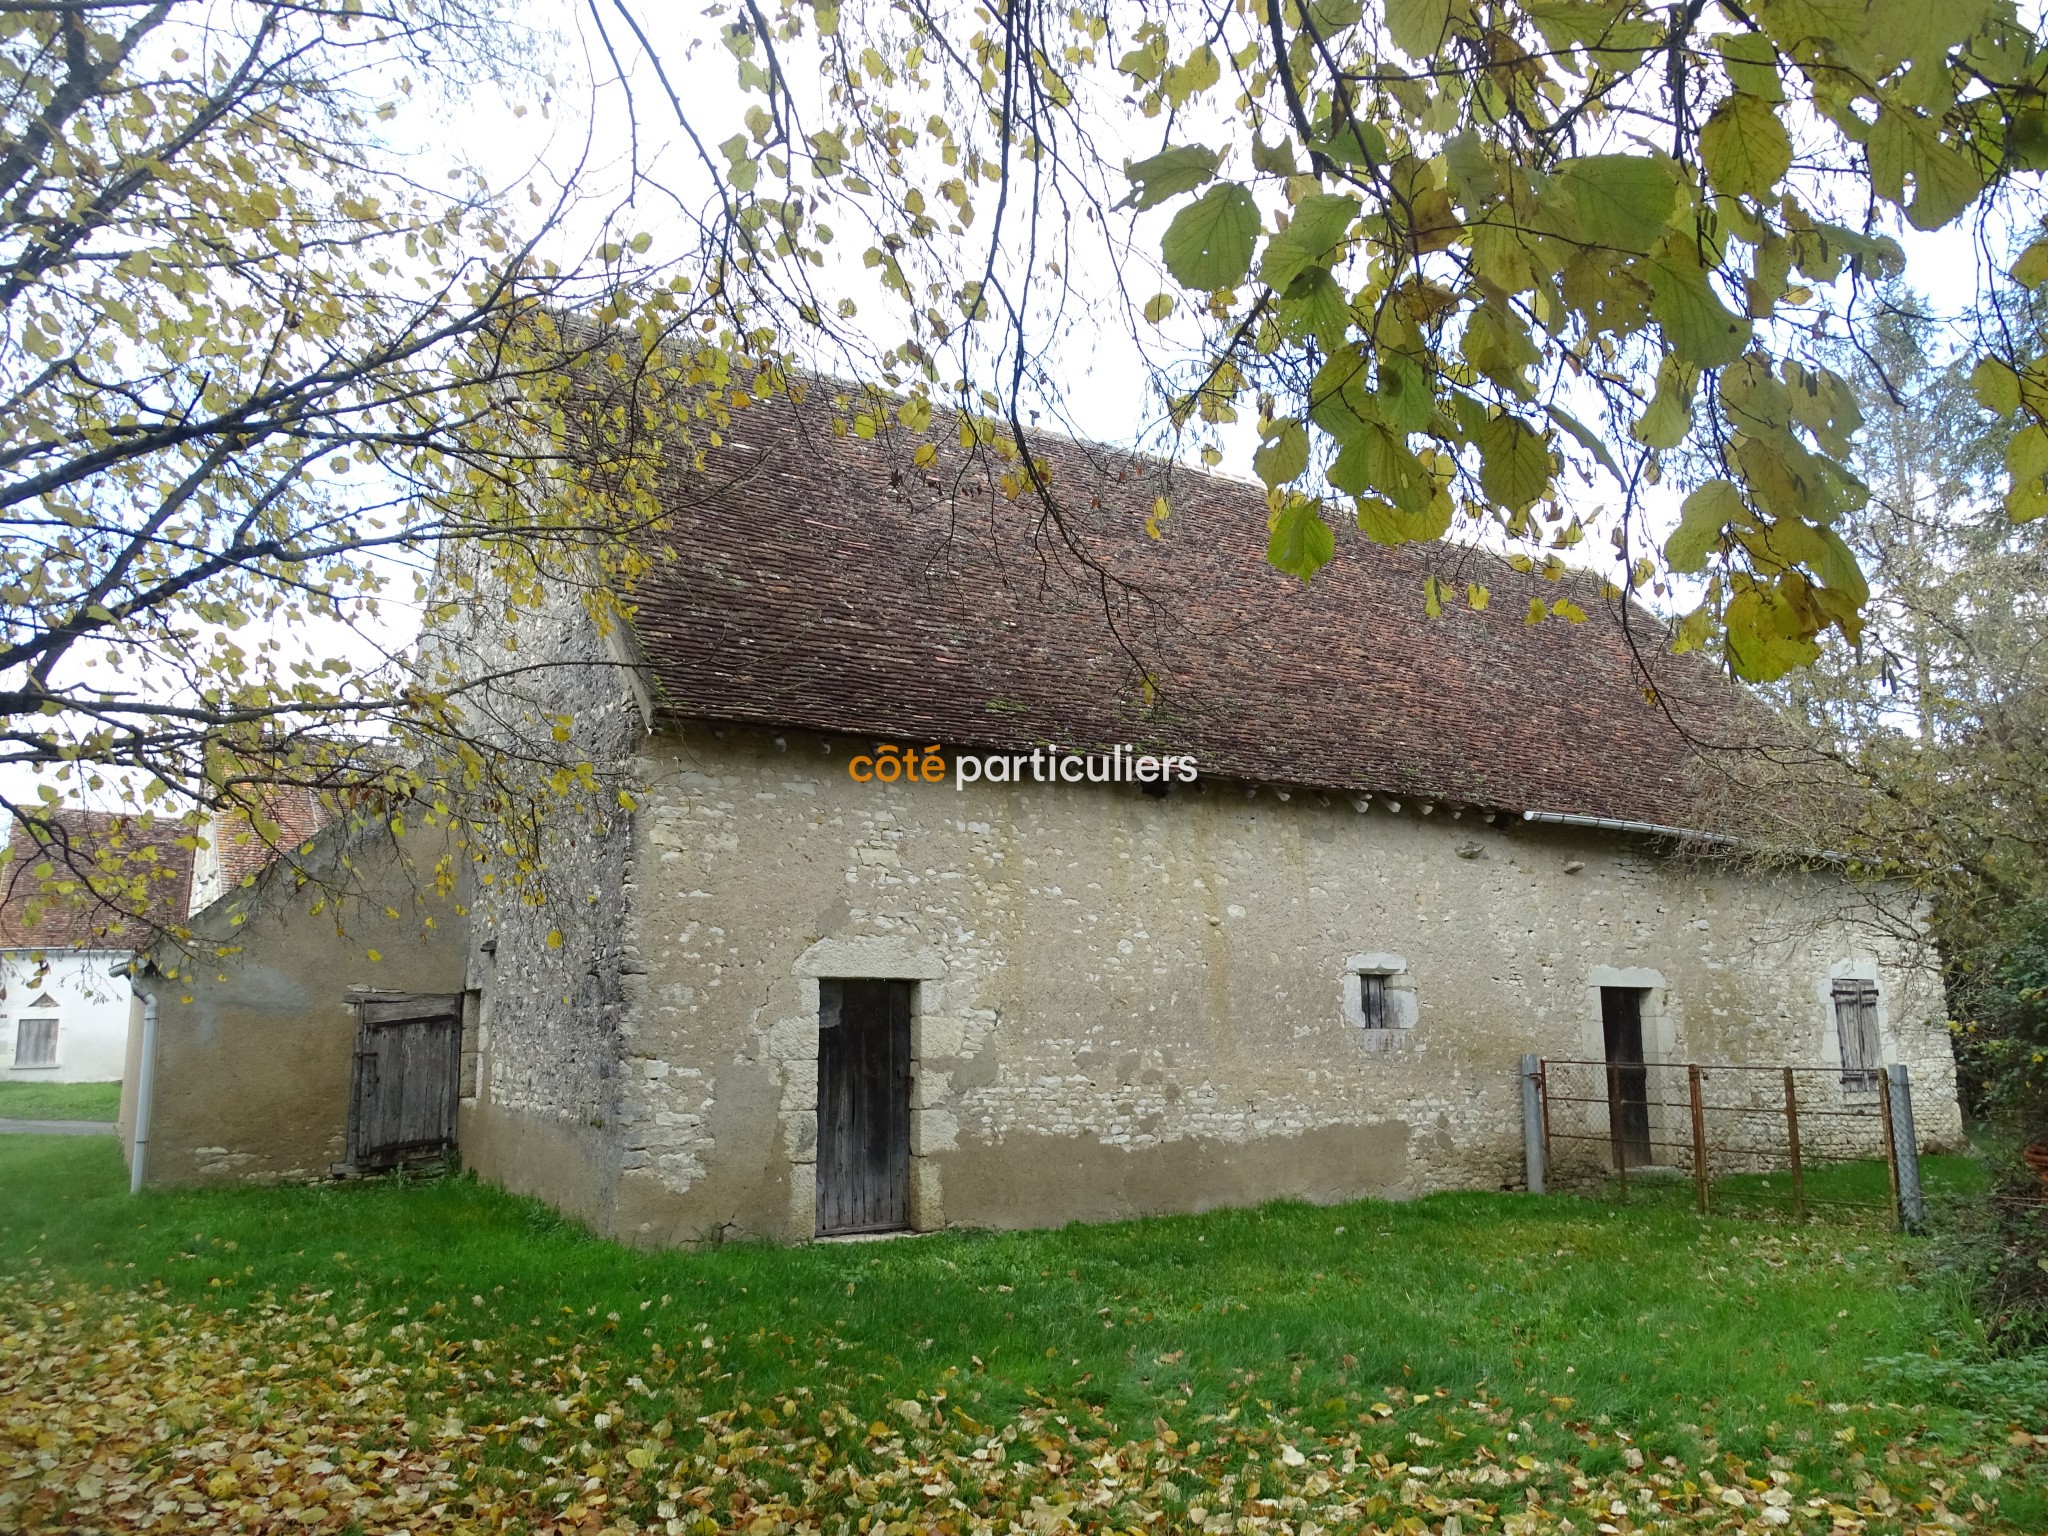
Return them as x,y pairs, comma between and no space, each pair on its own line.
821,581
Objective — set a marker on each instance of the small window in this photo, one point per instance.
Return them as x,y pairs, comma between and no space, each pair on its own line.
35,1043
1372,1000
1856,1027
1379,1000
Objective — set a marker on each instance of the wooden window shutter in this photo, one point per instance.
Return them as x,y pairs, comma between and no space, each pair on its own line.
1372,1000
35,1043
1856,1027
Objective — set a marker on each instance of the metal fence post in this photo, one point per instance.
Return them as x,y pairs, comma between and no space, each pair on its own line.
1792,1137
1532,1122
1699,1136
1614,1136
1891,1140
1905,1148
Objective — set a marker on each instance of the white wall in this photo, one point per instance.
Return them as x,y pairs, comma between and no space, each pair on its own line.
91,1010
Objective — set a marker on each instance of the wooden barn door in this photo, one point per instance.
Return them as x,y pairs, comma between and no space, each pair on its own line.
863,1106
1621,1021
408,1074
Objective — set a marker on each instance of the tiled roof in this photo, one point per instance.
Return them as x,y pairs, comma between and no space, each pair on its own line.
822,582
135,864
237,848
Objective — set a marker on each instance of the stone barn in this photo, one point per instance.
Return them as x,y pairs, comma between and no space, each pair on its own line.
974,869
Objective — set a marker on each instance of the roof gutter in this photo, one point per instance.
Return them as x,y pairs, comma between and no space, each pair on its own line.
1642,828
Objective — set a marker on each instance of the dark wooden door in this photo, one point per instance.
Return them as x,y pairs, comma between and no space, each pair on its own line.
863,1106
1621,1020
408,1074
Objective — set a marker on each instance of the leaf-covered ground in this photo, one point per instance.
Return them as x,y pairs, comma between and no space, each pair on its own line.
450,1359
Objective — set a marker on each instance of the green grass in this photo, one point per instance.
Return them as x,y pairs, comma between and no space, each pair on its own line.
59,1101
1700,1339
1844,1190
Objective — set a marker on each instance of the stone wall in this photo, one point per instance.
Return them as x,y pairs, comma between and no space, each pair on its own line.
1125,1004
550,958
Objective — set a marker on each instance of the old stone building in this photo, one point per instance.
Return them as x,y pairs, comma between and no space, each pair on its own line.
797,989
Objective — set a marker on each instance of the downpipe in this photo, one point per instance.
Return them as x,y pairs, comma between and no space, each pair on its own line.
145,1086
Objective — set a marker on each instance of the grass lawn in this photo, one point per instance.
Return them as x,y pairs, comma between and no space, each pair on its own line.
438,1355
59,1101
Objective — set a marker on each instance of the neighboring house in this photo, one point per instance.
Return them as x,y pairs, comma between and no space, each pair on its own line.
236,848
64,991
788,989
254,1066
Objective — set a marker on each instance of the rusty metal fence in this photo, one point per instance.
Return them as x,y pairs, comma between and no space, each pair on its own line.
1603,1124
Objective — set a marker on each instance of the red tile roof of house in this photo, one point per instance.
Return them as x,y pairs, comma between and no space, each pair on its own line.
821,581
291,813
129,876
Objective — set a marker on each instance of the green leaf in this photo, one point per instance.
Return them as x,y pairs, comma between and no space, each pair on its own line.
1189,79
2031,270
1176,169
1158,307
1904,144
1699,328
1315,306
1332,16
1320,221
1620,202
1608,295
1669,416
1379,462
742,169
1752,64
1514,463
1273,159
1474,179
2026,454
1358,142
1690,632
1995,385
1339,402
1406,402
1744,146
1824,403
1782,476
1417,26
1497,343
1752,398
1284,455
1384,524
1298,541
1586,439
2024,503
1144,62
1209,243
1837,567
1700,521
1764,639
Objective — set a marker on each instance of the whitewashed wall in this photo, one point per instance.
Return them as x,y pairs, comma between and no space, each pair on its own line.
91,1007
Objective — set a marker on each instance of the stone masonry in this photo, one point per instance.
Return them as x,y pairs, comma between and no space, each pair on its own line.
1123,1004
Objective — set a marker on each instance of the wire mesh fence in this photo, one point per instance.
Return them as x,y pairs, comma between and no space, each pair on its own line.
1795,1137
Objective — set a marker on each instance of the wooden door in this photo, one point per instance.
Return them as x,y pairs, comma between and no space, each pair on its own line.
863,1106
408,1074
1621,1021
